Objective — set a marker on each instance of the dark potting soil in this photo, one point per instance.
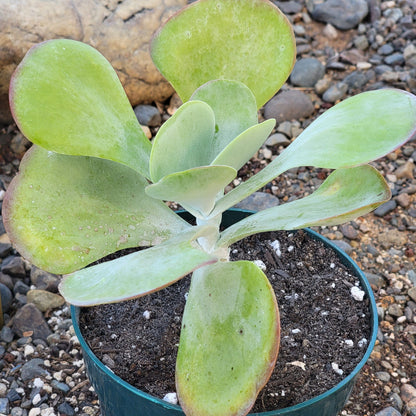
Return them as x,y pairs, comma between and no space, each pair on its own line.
325,331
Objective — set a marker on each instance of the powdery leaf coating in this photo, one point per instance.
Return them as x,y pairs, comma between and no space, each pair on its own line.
64,212
346,194
229,339
250,41
66,97
184,141
195,189
234,107
356,131
242,148
138,273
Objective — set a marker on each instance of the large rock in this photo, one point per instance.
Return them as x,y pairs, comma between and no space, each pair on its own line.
29,319
120,30
343,14
44,300
289,105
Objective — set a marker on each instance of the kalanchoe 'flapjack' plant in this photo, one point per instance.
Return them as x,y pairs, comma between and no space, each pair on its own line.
93,184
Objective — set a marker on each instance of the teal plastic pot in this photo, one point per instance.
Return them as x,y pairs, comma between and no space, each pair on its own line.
118,398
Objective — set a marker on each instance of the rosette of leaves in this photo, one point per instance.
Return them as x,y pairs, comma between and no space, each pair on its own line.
93,184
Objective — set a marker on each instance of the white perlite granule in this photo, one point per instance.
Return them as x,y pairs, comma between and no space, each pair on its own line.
336,368
171,398
260,264
357,293
275,245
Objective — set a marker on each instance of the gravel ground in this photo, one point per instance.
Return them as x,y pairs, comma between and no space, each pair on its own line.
41,367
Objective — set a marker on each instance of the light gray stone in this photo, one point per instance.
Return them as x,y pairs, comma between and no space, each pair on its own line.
388,411
395,310
33,369
307,72
394,59
412,276
343,14
289,7
335,92
289,105
4,405
277,139
396,400
343,245
375,280
44,280
29,319
258,201
383,376
14,266
385,208
6,334
44,300
361,42
148,115
356,80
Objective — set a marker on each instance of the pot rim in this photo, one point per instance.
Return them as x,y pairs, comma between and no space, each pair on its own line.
345,258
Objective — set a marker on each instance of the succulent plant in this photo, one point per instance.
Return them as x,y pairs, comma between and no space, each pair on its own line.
93,184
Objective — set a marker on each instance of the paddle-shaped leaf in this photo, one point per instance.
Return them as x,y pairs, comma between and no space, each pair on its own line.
66,97
184,141
356,131
138,273
229,340
195,189
346,194
64,212
242,148
243,40
235,110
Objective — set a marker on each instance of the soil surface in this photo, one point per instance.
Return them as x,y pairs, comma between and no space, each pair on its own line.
325,330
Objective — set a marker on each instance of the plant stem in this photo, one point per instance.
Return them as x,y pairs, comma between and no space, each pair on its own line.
208,242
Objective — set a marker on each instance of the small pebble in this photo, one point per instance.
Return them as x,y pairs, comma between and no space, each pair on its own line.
388,411
383,376
335,93
148,115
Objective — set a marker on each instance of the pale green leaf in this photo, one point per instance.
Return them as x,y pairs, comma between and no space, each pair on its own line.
345,195
235,110
66,97
244,146
195,189
229,339
360,129
138,273
243,40
64,212
184,141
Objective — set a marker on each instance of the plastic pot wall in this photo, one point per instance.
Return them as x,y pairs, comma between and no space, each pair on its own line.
118,398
